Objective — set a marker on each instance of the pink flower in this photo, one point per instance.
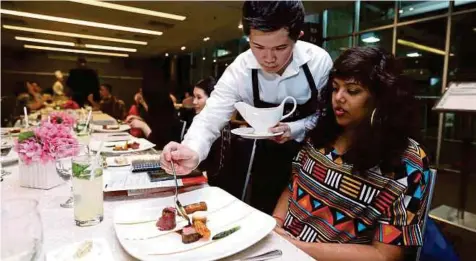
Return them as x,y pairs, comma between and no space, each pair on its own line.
61,118
44,144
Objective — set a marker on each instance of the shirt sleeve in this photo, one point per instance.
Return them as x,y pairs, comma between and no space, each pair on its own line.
206,126
402,222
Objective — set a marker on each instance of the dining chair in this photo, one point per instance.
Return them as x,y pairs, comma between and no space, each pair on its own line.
432,182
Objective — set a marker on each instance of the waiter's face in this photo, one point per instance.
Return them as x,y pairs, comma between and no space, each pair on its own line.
273,50
351,102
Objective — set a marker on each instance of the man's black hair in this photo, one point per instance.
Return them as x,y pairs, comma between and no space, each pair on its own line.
108,87
270,16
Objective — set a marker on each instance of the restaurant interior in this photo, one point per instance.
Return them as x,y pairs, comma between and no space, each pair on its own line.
158,50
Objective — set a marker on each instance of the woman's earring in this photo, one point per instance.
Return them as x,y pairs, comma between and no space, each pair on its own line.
372,117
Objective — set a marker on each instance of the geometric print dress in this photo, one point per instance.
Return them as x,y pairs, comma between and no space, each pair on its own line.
330,204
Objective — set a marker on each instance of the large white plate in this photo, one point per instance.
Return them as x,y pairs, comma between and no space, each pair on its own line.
144,145
122,128
137,221
249,133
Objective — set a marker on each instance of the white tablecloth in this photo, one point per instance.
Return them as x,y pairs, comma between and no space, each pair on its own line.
59,228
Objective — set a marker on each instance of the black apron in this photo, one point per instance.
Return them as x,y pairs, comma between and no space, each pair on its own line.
272,163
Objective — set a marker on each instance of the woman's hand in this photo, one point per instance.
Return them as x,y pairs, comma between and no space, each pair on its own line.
130,118
138,124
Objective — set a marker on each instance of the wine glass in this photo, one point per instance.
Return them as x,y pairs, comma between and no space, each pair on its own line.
22,235
63,156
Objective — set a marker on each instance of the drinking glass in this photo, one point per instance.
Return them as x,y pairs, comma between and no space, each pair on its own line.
64,165
22,235
87,190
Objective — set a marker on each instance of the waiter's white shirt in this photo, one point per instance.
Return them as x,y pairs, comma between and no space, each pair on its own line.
235,85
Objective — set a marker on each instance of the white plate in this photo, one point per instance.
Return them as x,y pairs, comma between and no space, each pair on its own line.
138,220
99,251
144,145
248,133
122,128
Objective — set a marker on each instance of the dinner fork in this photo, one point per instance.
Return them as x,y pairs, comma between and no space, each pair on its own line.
179,205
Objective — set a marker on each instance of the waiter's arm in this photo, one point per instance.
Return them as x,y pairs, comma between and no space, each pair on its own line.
206,126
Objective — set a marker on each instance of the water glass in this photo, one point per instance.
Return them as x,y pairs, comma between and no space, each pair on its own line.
63,156
87,190
22,233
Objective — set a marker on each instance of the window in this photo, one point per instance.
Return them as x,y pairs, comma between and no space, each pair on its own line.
411,10
339,21
460,68
382,39
376,13
336,46
421,48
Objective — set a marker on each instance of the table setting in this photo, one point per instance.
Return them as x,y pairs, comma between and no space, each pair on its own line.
58,184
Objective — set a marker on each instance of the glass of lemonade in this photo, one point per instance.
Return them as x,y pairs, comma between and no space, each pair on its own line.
87,190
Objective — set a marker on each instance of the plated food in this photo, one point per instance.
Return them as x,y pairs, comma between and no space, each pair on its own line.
134,146
110,127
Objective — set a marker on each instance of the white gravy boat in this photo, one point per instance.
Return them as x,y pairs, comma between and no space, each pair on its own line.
261,119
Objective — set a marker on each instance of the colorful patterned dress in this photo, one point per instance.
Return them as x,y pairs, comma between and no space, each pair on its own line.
331,204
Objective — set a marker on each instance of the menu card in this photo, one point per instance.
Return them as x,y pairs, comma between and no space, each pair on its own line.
458,97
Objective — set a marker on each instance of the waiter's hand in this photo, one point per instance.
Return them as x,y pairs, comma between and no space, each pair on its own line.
185,159
281,127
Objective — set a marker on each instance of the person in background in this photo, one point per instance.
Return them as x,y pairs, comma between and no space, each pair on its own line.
83,81
360,184
58,85
35,101
109,104
139,109
277,65
27,96
160,124
187,102
70,103
173,98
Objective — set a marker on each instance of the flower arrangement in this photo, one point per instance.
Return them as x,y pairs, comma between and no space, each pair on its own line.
62,118
40,144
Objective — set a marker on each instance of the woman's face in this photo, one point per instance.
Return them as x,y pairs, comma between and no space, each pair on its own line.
351,102
199,99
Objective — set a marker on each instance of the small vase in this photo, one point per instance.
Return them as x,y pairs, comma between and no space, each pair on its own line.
39,175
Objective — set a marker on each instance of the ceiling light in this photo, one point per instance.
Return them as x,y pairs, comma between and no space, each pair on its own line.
414,54
112,48
74,50
214,60
204,58
166,54
130,9
226,64
84,36
240,26
400,11
371,39
474,29
79,22
206,39
420,47
36,40
183,48
411,9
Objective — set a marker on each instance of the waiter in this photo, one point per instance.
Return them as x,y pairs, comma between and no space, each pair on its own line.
276,65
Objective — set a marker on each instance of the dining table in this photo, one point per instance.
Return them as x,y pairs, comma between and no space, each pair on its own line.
60,230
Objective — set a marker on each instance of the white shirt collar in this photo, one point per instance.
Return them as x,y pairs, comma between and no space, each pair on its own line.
300,57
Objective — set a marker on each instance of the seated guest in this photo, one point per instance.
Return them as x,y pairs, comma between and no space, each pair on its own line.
31,96
139,108
187,102
109,104
359,186
160,124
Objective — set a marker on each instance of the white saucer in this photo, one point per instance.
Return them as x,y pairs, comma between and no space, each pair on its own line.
249,133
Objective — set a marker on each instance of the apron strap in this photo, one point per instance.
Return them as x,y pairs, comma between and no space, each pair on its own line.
254,78
310,80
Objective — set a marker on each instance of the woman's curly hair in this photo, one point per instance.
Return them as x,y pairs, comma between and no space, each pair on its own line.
395,119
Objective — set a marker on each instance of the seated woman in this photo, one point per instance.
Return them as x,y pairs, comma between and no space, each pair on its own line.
160,124
69,103
359,186
139,108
